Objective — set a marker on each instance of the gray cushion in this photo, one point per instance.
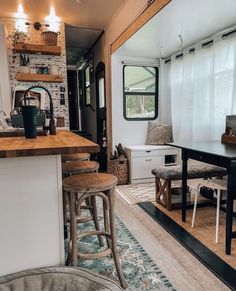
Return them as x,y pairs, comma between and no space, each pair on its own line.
158,133
56,279
194,172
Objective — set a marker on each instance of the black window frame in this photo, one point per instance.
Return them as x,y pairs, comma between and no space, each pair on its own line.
141,93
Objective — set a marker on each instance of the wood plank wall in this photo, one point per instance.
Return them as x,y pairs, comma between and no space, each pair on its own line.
142,19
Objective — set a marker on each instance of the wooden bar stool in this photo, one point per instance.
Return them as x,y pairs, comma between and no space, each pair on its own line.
94,185
79,167
74,157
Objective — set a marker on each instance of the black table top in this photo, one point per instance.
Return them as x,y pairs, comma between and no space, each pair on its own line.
210,147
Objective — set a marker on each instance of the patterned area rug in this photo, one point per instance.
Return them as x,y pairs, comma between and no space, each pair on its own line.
136,193
140,272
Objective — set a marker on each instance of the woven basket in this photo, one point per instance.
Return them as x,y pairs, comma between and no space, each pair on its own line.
119,168
49,37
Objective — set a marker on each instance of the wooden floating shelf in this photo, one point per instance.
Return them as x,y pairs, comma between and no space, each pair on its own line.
38,78
38,49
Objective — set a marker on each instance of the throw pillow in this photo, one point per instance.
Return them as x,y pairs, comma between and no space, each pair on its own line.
158,133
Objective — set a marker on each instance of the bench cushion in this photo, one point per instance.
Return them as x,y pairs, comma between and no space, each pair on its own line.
194,172
55,279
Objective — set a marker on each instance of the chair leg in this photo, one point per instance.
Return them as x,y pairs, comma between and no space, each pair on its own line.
111,197
95,219
217,216
195,205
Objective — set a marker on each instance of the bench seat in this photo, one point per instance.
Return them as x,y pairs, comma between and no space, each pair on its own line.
194,172
164,176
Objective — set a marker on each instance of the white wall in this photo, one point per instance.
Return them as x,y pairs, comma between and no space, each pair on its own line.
126,132
5,93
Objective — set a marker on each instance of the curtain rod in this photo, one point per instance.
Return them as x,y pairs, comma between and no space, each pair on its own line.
151,64
205,44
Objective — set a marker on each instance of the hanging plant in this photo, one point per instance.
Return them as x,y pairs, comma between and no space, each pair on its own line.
19,36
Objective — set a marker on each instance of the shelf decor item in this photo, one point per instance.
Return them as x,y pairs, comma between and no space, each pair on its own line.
49,37
230,130
19,37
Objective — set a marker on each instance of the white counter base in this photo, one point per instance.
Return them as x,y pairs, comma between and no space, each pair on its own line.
31,215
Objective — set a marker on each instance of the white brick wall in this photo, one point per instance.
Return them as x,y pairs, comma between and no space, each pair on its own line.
40,60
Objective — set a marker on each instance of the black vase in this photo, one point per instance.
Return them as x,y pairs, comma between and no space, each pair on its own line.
29,119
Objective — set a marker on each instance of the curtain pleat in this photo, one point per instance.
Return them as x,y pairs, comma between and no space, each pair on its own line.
203,91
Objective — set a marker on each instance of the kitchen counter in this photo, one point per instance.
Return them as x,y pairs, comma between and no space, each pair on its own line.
64,142
31,208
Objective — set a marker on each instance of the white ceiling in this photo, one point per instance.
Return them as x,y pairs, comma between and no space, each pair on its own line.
85,13
193,19
79,41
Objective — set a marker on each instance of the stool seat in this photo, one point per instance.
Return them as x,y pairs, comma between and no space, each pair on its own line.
90,182
77,167
74,157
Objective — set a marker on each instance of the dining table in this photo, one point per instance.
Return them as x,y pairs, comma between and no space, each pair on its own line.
219,154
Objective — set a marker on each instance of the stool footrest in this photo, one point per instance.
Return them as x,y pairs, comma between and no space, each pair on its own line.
93,232
83,219
94,256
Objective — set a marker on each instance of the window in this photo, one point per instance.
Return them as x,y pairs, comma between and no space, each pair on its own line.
140,93
87,86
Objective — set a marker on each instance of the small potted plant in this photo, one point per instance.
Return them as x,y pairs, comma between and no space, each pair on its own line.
19,37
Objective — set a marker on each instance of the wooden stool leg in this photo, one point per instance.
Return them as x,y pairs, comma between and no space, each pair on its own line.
111,197
73,227
65,204
106,224
95,219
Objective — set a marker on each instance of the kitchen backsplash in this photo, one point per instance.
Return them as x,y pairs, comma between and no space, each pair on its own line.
58,90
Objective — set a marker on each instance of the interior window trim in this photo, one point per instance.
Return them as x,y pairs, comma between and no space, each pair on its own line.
125,93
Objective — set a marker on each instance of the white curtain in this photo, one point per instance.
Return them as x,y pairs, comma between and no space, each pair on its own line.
164,100
203,91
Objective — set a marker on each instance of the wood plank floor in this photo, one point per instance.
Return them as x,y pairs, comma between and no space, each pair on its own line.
184,271
204,230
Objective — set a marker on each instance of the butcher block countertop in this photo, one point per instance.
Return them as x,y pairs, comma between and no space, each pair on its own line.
64,142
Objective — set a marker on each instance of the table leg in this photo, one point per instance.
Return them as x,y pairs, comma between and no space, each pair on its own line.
231,193
184,184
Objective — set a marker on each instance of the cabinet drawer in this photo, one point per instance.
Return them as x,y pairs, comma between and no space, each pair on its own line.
142,166
153,153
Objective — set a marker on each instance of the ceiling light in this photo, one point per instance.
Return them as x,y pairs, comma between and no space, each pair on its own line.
53,20
20,19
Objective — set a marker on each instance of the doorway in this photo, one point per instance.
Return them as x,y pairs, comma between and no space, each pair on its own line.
101,114
73,99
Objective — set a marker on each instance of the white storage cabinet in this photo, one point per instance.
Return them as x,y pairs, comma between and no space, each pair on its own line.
143,158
